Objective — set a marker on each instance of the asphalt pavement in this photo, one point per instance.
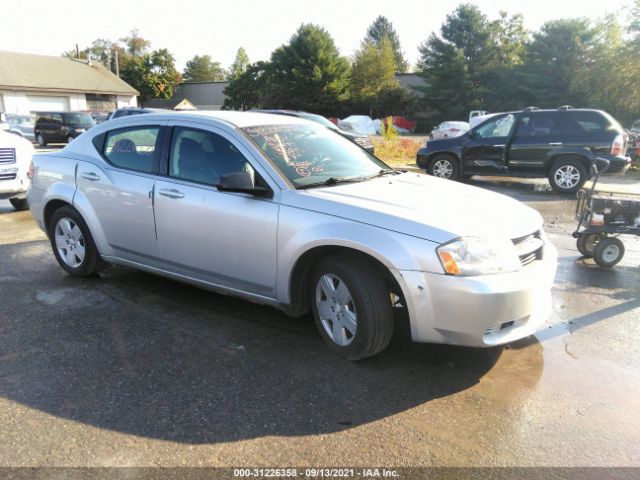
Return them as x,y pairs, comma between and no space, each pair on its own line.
129,369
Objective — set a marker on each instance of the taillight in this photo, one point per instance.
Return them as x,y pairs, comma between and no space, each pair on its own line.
30,173
616,146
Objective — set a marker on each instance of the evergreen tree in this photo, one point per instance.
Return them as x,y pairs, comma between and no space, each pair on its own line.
381,29
239,65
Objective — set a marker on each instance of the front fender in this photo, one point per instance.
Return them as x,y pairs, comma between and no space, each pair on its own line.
301,231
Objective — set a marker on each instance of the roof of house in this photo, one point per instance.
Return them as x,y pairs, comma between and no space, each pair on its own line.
26,71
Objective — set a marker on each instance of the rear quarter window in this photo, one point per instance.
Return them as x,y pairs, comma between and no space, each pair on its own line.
580,123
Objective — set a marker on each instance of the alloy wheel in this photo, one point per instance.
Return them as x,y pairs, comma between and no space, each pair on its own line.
567,176
336,309
442,169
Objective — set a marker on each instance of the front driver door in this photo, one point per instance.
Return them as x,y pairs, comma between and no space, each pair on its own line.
486,146
224,238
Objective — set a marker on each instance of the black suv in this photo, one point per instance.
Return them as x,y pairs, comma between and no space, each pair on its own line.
362,140
58,127
558,144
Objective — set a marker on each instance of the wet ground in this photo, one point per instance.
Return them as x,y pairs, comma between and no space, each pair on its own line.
129,369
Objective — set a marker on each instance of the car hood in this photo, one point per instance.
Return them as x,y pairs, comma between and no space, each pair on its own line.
445,143
422,206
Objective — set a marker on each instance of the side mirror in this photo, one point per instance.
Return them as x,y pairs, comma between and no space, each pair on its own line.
242,182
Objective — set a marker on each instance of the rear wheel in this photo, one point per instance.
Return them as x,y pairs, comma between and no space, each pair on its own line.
72,243
19,203
587,243
444,166
40,139
608,252
567,175
351,307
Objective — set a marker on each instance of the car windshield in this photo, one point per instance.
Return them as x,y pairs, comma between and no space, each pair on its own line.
310,155
80,119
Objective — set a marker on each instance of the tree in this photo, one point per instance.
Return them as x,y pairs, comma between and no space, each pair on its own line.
136,45
510,38
309,73
154,75
454,64
248,89
382,29
239,65
373,71
203,69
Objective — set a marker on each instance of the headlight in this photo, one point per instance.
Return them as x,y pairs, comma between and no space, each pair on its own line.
478,256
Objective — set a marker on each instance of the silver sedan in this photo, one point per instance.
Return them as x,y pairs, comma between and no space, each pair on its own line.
284,212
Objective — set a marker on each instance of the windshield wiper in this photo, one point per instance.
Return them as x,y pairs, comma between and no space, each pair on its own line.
333,181
382,172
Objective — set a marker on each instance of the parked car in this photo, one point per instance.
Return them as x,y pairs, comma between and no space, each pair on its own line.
448,130
15,160
100,117
127,111
557,144
59,127
363,140
281,211
21,125
476,114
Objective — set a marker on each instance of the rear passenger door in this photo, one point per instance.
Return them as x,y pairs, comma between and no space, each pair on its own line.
224,238
120,190
537,135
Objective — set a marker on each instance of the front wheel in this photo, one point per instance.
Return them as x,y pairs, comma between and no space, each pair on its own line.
69,139
587,242
608,252
351,307
568,175
19,203
444,166
72,243
41,141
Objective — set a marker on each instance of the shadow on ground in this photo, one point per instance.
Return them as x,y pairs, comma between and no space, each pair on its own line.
142,355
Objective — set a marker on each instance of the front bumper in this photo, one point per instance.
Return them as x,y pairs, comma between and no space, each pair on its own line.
480,311
13,182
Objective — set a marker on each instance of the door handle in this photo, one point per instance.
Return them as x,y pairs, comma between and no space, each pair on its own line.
90,176
555,144
171,193
499,146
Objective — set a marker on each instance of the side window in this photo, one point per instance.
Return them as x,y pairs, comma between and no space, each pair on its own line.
499,127
579,123
56,118
538,125
204,157
133,148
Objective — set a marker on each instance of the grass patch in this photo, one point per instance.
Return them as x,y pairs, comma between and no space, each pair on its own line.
399,151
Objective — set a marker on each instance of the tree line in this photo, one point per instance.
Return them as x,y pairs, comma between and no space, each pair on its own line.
472,63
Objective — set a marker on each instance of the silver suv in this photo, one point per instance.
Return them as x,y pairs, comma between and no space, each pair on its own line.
282,211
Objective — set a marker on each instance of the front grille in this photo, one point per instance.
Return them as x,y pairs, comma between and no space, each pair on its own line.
7,155
529,248
8,176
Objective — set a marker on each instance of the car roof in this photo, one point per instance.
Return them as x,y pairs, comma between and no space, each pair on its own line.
237,119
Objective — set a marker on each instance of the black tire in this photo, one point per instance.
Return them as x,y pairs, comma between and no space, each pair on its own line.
371,301
440,162
608,252
587,243
91,263
19,203
70,139
40,139
573,165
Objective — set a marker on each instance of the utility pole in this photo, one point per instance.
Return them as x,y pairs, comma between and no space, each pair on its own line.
117,64
77,52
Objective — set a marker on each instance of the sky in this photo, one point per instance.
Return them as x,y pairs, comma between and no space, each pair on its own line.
218,28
